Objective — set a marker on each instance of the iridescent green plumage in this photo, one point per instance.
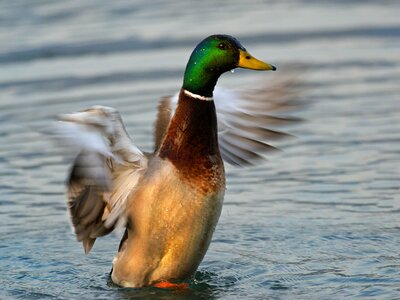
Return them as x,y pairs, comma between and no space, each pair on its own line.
212,57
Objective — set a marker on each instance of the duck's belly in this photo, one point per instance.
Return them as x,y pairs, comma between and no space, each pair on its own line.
172,223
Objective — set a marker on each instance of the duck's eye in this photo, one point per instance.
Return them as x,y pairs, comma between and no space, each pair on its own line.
222,46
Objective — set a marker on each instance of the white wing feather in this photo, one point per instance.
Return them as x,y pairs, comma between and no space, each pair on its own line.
106,171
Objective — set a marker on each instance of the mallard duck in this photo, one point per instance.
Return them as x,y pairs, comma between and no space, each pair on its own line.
170,200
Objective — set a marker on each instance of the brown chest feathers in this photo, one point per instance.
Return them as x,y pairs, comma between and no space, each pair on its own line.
191,143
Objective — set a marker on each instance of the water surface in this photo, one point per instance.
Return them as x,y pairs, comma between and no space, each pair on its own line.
319,220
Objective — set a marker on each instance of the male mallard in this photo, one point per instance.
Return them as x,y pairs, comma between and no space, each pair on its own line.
169,200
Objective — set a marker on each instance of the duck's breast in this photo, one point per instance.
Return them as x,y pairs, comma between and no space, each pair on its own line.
172,219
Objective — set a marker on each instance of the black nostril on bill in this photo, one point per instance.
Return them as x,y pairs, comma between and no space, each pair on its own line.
248,57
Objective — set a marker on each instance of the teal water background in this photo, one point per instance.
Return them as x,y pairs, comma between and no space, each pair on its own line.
320,220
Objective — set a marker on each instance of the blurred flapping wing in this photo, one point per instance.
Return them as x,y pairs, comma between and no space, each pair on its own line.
104,173
246,121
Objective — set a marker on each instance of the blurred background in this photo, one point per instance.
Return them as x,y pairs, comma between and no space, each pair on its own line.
319,220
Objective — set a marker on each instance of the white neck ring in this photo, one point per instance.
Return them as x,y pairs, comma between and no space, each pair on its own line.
195,96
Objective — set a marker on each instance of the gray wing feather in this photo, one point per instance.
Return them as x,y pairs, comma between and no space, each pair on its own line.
87,186
246,121
104,173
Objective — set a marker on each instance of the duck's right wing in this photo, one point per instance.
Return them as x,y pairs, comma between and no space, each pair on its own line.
104,173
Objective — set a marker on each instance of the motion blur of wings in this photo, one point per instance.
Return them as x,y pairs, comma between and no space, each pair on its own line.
246,120
109,165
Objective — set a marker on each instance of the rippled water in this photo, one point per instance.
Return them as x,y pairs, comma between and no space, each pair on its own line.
319,220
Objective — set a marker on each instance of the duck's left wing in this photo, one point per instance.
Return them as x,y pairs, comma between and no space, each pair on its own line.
247,121
106,170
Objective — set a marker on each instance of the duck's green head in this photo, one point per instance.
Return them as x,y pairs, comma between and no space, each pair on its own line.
215,55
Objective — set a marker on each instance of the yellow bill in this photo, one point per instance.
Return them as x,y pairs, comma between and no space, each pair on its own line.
247,61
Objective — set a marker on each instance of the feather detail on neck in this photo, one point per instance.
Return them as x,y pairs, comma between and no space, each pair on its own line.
196,96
